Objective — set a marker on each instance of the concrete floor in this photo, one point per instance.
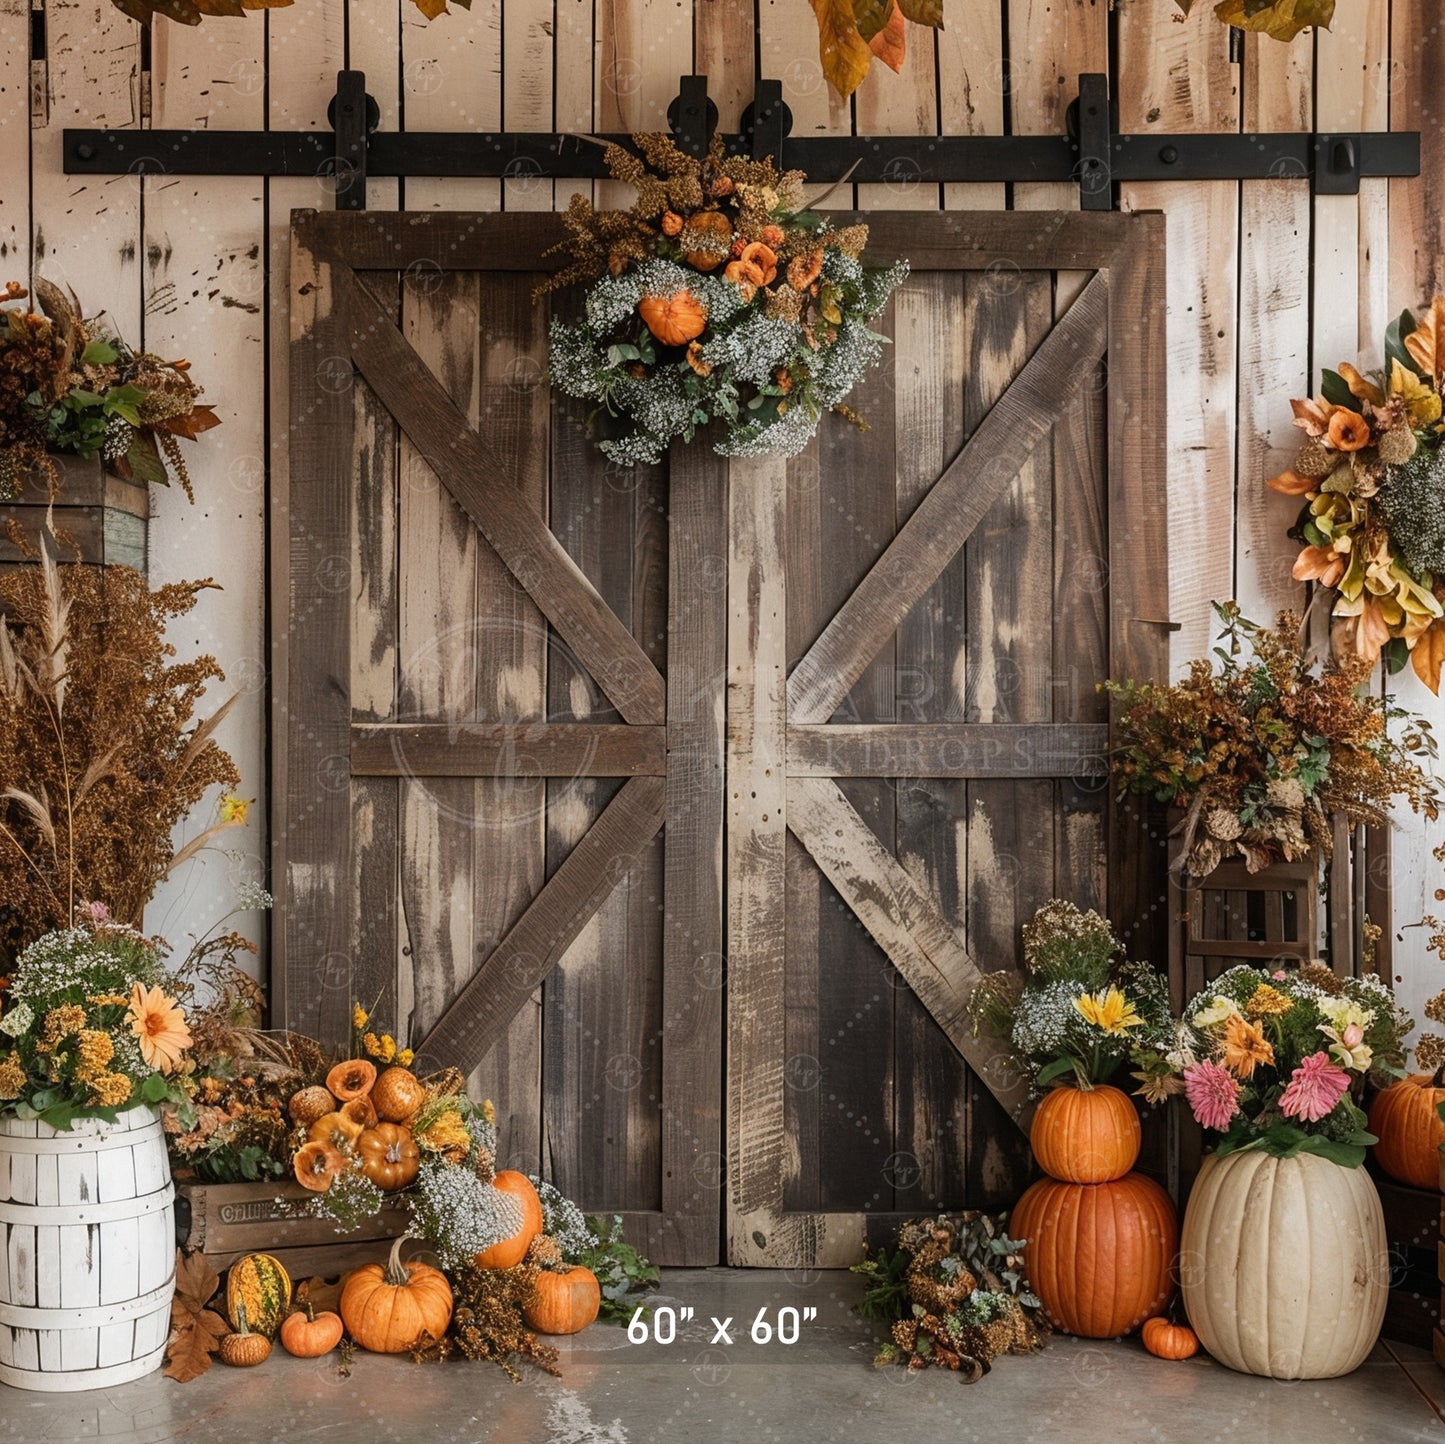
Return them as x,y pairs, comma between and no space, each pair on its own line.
821,1388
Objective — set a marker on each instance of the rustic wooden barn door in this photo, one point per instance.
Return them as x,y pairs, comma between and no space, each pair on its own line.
493,810
916,746
505,788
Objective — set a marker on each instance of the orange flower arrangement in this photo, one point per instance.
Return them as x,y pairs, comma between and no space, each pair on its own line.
1244,1047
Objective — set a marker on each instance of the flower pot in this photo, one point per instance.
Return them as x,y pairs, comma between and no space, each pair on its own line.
88,1229
1284,1264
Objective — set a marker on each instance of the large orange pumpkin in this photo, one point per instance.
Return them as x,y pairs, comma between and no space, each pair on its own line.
389,1155
1086,1135
1404,1118
674,320
387,1308
1100,1256
509,1251
567,1301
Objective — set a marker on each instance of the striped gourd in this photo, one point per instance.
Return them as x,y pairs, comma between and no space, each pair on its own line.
262,1287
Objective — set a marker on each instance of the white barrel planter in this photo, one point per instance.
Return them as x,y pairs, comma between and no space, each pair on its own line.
87,1267
1284,1265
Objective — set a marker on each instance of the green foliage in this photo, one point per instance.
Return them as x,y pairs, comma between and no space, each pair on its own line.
886,1296
621,1271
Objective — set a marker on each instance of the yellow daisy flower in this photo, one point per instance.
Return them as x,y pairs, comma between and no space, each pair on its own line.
1109,1010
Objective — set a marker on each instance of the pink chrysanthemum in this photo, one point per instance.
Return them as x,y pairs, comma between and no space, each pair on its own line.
1213,1094
1314,1089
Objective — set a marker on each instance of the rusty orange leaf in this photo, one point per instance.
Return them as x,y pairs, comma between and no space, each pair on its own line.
1291,483
843,51
1427,656
1361,387
890,44
1311,416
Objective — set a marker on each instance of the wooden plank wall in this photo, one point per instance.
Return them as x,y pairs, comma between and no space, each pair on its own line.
1265,283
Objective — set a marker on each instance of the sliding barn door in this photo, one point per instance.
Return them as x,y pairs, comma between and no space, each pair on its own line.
497,816
916,747
681,806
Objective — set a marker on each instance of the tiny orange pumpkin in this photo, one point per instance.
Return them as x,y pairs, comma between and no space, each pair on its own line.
397,1095
1168,1340
308,1335
351,1079
389,1155
674,320
715,231
566,1301
336,1129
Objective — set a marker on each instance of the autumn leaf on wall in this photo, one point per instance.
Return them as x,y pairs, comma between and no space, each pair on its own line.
1427,656
852,32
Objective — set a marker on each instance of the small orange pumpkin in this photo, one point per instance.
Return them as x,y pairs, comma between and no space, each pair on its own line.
1168,1340
1406,1120
336,1129
316,1165
351,1079
389,1155
708,226
765,258
1086,1135
244,1349
508,1251
397,1094
566,1301
674,320
386,1308
309,1335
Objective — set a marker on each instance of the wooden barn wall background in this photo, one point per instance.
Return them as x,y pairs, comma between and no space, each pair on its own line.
1265,283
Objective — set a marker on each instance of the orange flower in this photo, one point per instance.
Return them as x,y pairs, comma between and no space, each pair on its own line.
671,223
160,1027
1349,431
1244,1047
804,270
774,236
694,359
765,258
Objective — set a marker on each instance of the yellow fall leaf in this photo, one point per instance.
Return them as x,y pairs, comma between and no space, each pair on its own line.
1427,656
1281,21
842,50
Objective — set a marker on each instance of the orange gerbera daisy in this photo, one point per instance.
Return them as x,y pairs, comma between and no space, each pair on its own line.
1244,1047
158,1022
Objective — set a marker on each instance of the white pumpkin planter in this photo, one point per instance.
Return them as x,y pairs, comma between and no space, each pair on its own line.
87,1267
1284,1264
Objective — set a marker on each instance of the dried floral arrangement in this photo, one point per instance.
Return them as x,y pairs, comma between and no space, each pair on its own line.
1080,1010
101,751
68,386
1261,747
1372,478
952,1295
719,296
1277,1060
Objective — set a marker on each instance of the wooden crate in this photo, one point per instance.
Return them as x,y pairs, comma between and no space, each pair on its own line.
226,1220
98,516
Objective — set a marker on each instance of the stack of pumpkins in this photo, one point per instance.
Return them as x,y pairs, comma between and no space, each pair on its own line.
359,1112
1102,1240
